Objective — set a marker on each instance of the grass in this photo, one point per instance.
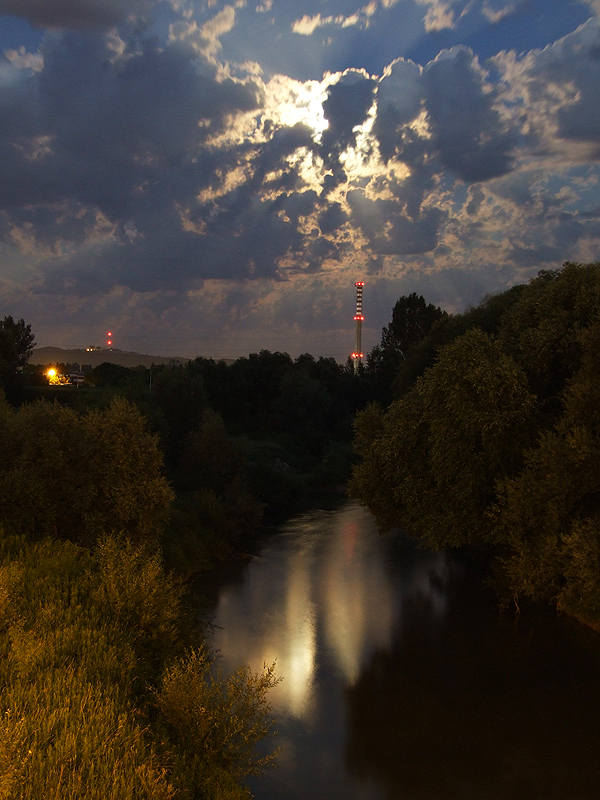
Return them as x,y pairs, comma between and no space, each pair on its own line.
95,652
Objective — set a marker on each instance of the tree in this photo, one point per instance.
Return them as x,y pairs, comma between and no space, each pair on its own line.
108,375
412,319
218,721
542,329
391,447
214,494
76,477
107,687
434,457
549,516
16,346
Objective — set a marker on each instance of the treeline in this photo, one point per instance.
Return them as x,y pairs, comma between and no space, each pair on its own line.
492,436
243,444
287,421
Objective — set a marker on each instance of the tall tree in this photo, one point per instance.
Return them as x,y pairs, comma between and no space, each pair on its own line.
412,319
431,462
541,331
16,346
549,516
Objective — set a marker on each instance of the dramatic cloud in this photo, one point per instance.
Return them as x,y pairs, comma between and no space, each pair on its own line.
169,167
468,132
345,108
557,90
308,25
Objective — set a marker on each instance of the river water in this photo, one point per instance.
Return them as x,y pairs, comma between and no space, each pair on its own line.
401,679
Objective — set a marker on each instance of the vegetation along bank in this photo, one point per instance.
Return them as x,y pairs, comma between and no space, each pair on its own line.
492,438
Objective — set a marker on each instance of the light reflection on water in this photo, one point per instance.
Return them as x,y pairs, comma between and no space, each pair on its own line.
320,600
401,680
321,586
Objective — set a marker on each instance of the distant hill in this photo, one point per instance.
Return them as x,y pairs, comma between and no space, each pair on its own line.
56,355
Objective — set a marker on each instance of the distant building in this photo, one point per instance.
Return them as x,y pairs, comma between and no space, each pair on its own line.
92,347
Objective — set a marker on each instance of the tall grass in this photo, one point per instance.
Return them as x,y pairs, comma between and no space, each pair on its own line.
91,647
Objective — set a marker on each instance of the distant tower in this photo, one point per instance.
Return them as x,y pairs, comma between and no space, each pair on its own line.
358,318
109,340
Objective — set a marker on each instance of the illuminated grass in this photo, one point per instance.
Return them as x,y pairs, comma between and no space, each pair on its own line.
85,712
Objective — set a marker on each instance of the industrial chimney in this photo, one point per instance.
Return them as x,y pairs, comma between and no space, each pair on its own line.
358,318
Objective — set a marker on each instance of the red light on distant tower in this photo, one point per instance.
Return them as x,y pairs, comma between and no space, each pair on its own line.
109,339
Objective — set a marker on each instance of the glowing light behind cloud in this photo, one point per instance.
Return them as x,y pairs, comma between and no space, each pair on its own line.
289,102
193,179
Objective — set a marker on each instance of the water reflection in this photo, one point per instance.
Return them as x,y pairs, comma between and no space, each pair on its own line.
320,592
401,679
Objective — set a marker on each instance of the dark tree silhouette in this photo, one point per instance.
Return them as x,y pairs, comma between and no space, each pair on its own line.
16,346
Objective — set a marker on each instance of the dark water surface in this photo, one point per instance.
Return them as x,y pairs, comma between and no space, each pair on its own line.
401,679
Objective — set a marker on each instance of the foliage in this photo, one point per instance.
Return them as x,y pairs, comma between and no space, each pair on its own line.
83,659
262,430
412,320
76,476
179,403
498,440
432,466
214,494
134,590
16,346
107,374
549,515
542,329
69,726
390,446
220,720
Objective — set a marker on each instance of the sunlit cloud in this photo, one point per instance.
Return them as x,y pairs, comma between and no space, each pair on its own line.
23,60
289,102
204,38
439,15
307,25
496,15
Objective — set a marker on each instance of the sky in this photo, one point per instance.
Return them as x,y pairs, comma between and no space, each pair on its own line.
211,178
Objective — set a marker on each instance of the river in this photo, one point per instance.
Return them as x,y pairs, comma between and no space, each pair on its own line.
401,678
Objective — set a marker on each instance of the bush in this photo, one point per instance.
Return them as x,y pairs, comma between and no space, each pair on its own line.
76,477
219,720
98,697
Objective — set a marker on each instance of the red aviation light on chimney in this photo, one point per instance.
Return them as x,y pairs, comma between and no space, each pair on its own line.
358,318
